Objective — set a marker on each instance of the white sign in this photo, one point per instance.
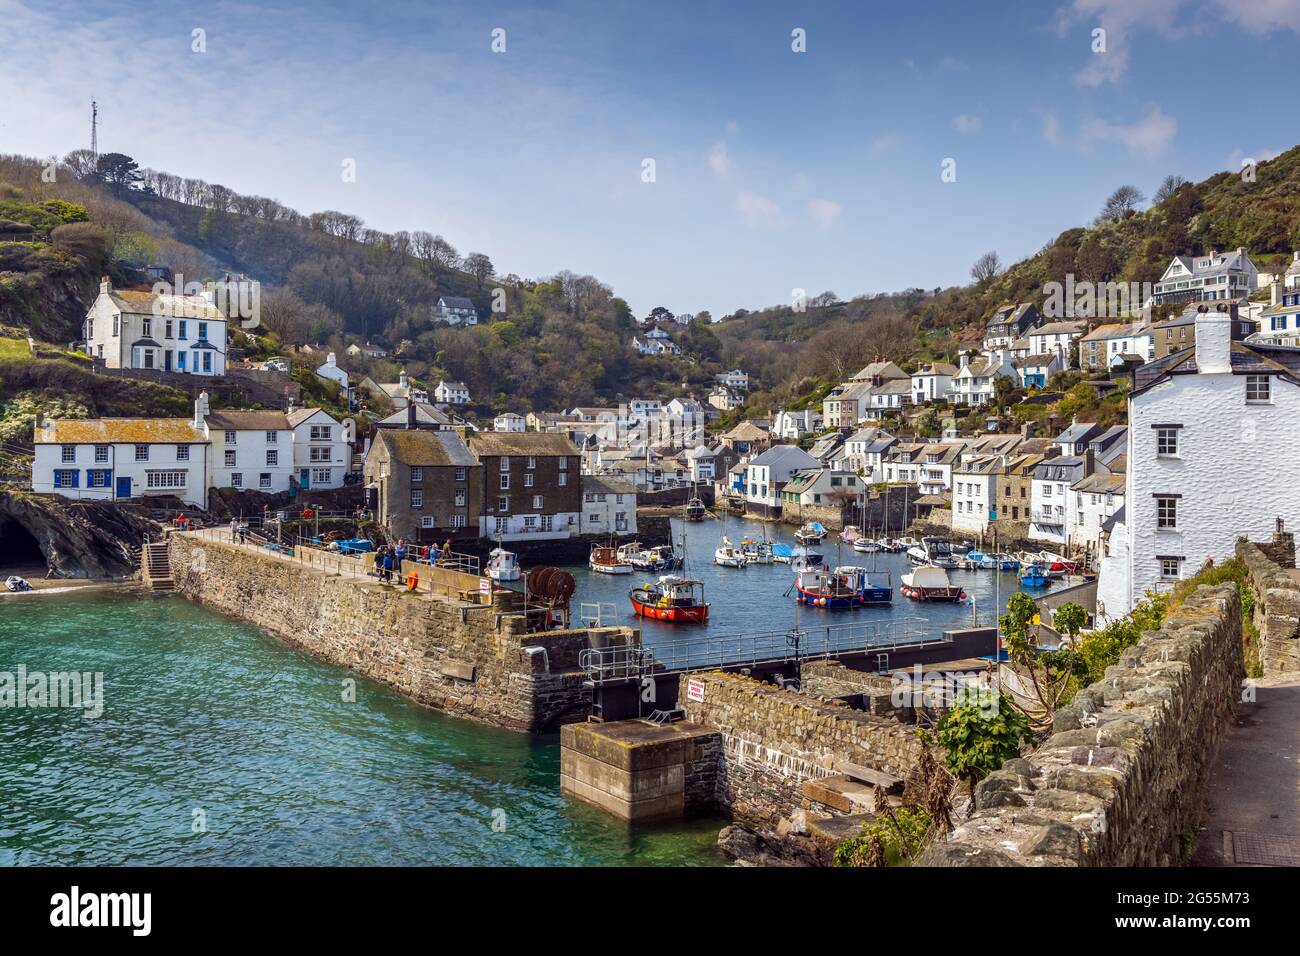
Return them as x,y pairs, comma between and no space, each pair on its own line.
485,585
695,691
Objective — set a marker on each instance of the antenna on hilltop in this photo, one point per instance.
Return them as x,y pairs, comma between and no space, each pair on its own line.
94,129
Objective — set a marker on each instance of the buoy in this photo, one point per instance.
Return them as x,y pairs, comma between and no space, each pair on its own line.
412,581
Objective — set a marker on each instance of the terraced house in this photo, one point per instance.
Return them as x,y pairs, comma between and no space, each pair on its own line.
424,485
532,485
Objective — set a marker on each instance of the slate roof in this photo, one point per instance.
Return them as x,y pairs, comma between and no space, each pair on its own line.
248,421
165,306
423,447
1247,358
300,415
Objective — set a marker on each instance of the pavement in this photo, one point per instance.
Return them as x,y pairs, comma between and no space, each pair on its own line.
1252,813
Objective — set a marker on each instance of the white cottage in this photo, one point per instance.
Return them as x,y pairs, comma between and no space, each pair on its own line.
147,330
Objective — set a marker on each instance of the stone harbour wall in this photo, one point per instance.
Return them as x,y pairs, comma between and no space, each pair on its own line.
468,660
774,740
1121,781
1277,608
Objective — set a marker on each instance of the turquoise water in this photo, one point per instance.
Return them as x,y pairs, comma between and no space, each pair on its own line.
205,713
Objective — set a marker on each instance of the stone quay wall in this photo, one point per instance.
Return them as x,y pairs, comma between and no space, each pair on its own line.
775,740
1277,607
1121,781
470,660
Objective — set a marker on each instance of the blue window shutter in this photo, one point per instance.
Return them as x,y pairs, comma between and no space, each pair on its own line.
76,475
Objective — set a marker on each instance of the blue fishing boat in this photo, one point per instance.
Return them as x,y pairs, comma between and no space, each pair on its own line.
1033,576
1007,562
978,559
845,587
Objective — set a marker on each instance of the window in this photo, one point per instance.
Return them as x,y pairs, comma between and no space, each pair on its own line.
564,479
230,458
264,480
460,497
548,522
321,476
182,452
165,479
101,453
537,502
426,521
116,320
97,478
272,458
272,438
318,454
168,329
207,361
503,504
1166,513
1257,389
530,523
417,474
501,525
417,498
505,482
532,461
146,327
65,478
181,334
148,357
458,521
236,480
69,453
460,474
141,452
320,433
203,331
1167,442
230,436
564,464
528,481
1170,567
505,463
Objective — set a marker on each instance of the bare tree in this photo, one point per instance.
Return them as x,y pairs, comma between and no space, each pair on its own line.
1121,204
81,162
479,266
986,267
1168,186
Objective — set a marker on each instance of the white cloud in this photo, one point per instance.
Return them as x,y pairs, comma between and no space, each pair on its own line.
824,211
967,123
1261,16
719,161
758,210
1147,137
1238,156
885,143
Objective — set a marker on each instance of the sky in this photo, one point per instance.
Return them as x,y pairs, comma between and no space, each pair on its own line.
773,169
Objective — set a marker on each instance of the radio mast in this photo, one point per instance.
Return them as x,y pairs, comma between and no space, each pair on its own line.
94,130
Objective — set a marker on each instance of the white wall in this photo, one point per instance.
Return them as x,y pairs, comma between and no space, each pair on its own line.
251,449
122,463
1237,470
321,453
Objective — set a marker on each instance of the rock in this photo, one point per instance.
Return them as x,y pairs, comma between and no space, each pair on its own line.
745,847
80,539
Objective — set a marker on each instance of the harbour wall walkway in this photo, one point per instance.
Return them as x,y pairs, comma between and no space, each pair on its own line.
453,645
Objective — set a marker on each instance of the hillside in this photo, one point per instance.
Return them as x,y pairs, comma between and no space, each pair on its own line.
555,342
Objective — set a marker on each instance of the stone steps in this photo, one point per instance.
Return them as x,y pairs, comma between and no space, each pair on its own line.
845,795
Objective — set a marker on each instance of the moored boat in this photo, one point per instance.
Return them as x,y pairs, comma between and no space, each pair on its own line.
811,533
845,587
978,560
930,583
851,534
756,552
1007,562
671,598
503,565
728,555
1033,575
695,510
607,560
661,557
865,545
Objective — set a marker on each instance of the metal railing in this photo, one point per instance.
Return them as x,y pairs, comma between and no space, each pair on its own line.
625,662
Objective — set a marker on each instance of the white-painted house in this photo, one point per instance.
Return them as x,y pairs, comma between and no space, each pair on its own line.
451,393
510,422
322,447
146,330
251,451
767,474
1212,454
455,310
114,459
932,382
331,372
608,506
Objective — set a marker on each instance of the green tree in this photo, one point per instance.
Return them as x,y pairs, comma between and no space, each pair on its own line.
119,172
981,732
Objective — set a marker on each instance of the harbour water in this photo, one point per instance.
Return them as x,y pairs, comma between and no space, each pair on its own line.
208,721
220,745
758,598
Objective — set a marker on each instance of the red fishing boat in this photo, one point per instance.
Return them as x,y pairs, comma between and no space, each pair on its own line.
671,598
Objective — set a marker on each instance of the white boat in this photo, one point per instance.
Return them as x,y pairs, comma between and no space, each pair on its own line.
930,583
756,552
851,534
934,551
503,565
729,556
811,533
608,561
865,545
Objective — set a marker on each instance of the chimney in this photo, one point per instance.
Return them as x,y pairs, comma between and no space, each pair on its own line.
330,359
1275,291
963,360
1213,342
106,287
1089,461
410,415
401,378
200,408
